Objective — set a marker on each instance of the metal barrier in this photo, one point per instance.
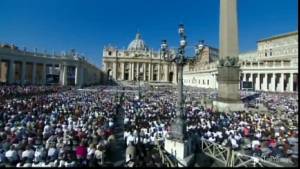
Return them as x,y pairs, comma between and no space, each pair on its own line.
231,158
216,151
165,158
243,160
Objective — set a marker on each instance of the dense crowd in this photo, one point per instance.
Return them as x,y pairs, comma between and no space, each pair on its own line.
16,91
61,129
255,134
66,128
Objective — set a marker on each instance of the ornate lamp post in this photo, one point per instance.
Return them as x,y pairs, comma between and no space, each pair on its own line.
178,128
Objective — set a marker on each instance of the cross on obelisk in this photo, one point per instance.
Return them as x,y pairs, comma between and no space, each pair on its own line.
228,68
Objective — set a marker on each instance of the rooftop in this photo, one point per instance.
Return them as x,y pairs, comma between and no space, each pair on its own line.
279,36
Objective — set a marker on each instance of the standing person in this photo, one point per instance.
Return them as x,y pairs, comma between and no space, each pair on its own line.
81,151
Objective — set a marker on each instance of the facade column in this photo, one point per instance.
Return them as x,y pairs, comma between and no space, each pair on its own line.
11,72
23,73
65,74
149,72
265,82
122,71
133,67
291,83
273,82
166,72
78,75
137,70
130,71
144,71
158,77
175,73
44,74
152,71
114,70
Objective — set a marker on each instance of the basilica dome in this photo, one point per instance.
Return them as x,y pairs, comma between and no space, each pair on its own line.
137,44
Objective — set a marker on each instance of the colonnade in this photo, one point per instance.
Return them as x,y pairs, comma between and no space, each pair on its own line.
275,82
146,71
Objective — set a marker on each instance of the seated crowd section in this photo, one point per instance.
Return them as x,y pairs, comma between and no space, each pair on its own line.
52,126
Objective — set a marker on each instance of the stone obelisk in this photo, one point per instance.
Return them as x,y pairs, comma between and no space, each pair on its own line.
228,68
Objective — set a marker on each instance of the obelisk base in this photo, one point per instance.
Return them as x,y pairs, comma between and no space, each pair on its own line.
228,107
181,150
228,91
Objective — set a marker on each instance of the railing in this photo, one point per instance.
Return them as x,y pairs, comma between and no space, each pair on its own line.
230,158
165,158
242,160
216,151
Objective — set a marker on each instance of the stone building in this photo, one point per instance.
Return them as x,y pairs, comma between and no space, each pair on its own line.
23,67
207,56
272,67
138,62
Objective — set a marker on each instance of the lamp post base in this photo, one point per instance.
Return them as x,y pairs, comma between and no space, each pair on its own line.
181,150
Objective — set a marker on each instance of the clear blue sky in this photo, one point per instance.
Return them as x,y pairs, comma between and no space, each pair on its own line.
88,25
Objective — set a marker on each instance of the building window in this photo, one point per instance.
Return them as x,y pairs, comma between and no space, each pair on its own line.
266,53
270,52
203,82
109,53
207,82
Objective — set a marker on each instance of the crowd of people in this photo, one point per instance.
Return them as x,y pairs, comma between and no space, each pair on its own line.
17,91
65,128
60,129
252,133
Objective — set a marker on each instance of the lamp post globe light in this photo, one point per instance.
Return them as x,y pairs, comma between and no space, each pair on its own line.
178,128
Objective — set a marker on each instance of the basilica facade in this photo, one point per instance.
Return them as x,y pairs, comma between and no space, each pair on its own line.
137,63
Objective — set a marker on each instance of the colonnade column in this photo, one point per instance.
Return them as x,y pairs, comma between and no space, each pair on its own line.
257,82
281,83
11,72
251,77
23,73
63,75
265,82
244,77
273,82
33,73
291,82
